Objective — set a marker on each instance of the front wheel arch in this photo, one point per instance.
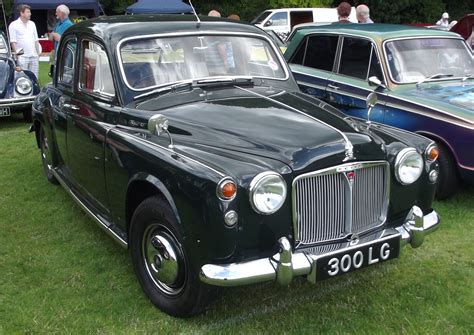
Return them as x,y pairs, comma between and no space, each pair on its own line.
142,186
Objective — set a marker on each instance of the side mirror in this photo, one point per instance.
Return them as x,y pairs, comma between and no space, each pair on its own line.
375,81
371,101
158,124
268,23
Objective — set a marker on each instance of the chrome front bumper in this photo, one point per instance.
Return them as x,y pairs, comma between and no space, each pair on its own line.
17,102
287,264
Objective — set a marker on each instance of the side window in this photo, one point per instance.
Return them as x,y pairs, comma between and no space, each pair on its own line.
279,19
355,57
320,52
66,63
95,74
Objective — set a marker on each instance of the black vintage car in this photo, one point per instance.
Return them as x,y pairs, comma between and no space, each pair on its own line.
190,144
18,87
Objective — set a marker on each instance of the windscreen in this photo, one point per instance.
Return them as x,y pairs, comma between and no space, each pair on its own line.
412,60
154,62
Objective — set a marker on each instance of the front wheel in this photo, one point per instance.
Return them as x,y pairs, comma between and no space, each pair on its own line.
46,157
163,268
448,182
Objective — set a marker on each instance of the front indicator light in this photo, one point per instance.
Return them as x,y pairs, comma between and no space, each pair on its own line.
226,189
432,153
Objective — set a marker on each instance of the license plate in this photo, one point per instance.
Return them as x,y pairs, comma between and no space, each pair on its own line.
4,111
355,258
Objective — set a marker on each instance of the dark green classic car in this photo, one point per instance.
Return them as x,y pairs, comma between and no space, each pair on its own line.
190,143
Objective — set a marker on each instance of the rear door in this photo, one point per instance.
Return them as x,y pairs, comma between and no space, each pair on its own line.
313,62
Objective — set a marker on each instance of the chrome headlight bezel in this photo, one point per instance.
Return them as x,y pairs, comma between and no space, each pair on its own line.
259,184
23,86
405,157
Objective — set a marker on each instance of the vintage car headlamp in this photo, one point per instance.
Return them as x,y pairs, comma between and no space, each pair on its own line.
267,192
23,86
408,166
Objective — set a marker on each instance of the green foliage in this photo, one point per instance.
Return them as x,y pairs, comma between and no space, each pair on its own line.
406,11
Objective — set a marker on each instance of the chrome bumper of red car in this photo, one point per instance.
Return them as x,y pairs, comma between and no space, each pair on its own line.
287,264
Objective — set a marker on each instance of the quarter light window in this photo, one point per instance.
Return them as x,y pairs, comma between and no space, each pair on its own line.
96,76
66,67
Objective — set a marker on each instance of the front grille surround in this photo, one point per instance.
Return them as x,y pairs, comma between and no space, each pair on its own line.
329,206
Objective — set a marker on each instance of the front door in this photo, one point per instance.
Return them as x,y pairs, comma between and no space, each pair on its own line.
349,87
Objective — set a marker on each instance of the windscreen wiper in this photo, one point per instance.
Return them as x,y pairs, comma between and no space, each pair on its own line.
467,76
434,76
177,87
222,81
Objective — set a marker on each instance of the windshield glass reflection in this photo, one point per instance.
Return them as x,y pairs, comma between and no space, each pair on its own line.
413,60
155,62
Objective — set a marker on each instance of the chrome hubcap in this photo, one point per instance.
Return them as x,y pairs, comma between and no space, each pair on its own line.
163,259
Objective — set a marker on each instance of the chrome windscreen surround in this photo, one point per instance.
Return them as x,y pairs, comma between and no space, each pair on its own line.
340,202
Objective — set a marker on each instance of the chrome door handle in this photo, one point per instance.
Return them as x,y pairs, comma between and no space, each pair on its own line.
73,107
334,87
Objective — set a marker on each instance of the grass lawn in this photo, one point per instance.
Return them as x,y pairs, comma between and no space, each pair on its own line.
61,273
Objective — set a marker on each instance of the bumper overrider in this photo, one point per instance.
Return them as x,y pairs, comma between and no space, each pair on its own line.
317,265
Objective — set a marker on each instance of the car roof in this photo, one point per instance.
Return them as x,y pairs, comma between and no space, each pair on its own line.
379,31
115,28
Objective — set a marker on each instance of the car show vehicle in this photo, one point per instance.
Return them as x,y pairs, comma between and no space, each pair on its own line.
189,142
18,88
423,79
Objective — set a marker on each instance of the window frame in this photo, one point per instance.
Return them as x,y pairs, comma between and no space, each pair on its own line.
58,70
95,93
369,64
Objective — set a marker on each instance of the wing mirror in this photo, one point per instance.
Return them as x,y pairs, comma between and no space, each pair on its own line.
268,23
375,81
158,124
371,101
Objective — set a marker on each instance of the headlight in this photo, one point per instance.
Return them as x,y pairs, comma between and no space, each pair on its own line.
23,86
408,166
267,192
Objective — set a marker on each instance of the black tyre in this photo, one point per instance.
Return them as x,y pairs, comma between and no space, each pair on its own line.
448,182
163,268
46,157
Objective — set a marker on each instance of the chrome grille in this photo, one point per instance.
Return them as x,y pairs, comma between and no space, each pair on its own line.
342,200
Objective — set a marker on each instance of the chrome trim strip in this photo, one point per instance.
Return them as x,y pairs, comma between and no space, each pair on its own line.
285,265
335,170
174,152
197,33
311,85
101,223
349,147
17,101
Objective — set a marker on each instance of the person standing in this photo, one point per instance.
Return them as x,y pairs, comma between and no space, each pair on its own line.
363,14
23,35
343,12
444,21
62,14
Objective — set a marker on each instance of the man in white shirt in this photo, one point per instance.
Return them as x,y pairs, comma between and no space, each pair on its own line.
23,35
363,14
